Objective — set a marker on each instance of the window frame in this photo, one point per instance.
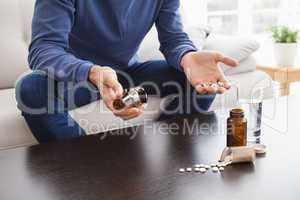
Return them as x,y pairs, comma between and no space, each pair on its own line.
246,11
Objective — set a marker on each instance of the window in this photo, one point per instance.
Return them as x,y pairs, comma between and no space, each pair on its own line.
242,16
265,4
265,14
223,16
219,5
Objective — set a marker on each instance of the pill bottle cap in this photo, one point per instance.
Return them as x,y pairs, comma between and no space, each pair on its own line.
237,112
143,95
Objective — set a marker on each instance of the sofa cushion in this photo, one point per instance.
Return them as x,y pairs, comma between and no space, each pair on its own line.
13,48
246,65
149,49
14,131
250,86
238,48
27,7
253,85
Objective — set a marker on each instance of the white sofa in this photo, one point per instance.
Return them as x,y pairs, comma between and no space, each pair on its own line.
15,23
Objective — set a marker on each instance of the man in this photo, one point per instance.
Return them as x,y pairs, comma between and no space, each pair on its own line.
93,43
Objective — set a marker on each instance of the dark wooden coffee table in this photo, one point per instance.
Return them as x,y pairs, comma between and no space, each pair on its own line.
146,168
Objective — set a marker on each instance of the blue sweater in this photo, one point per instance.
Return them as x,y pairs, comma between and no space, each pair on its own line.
69,36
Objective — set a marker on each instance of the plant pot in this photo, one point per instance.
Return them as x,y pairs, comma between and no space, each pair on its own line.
285,53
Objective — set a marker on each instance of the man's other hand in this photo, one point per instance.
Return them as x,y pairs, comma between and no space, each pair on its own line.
203,72
106,80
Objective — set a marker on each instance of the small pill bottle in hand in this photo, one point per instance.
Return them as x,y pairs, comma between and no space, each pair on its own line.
133,97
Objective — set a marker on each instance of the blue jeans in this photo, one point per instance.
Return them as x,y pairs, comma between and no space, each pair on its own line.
45,102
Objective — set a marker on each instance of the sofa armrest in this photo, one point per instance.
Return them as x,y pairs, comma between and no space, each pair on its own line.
250,86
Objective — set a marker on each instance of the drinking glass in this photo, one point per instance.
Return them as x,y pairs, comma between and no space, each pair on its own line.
253,113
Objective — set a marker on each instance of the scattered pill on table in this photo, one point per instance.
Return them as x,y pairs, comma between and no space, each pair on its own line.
203,170
221,169
206,166
197,169
181,170
213,165
215,169
189,169
223,165
197,165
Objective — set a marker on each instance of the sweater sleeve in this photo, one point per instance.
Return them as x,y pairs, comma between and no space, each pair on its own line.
51,25
174,42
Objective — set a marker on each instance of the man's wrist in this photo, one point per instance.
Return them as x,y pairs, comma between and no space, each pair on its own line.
185,60
93,73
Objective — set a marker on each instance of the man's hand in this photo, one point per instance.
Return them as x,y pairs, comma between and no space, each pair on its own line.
105,78
203,72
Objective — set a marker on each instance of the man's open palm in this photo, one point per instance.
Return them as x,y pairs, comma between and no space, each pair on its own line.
203,71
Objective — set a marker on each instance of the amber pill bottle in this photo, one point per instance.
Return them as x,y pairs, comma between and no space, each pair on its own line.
236,128
131,98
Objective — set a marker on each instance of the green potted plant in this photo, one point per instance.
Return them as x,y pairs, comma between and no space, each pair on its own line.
286,45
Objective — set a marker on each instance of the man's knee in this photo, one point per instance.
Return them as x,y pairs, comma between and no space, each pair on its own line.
32,90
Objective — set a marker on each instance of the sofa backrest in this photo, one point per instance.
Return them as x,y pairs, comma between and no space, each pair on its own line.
14,37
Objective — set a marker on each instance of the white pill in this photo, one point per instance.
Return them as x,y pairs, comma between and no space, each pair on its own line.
215,169
221,165
181,170
200,165
206,166
221,169
213,165
203,170
189,169
197,169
